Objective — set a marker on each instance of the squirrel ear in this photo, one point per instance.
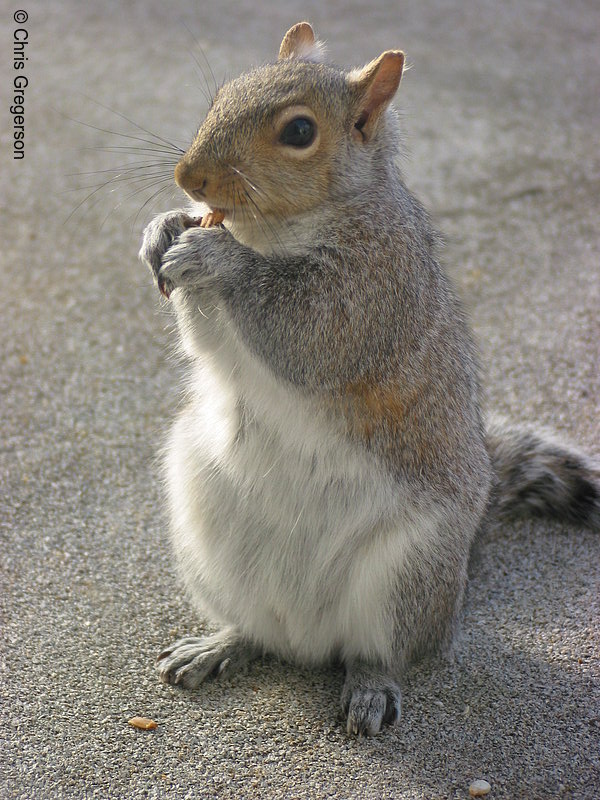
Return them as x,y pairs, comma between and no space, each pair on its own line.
376,84
299,42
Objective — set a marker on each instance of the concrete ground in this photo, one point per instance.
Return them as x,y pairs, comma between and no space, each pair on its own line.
502,113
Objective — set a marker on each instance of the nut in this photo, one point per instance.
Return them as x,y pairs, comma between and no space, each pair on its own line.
143,723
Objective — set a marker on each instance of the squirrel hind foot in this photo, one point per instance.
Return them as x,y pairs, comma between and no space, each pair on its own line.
370,700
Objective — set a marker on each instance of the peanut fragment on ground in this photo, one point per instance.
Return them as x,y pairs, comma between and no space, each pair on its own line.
143,723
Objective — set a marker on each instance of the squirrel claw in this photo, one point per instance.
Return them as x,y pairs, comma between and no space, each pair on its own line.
164,286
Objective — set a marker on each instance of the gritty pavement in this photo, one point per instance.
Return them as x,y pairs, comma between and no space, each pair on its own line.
501,113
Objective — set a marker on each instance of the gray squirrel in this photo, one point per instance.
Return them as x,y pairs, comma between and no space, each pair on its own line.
331,469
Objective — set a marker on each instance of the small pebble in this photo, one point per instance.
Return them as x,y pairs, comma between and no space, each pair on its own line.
479,788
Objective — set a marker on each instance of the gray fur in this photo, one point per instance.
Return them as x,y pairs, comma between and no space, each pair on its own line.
331,471
537,474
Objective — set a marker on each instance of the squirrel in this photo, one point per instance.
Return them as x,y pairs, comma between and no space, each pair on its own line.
332,467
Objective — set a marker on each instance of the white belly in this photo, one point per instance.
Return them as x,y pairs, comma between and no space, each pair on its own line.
285,529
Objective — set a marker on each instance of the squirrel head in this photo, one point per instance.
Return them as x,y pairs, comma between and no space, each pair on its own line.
277,138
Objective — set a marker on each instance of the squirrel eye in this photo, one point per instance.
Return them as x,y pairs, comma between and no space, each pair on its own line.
300,132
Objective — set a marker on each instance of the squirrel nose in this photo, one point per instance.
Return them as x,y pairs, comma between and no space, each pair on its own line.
189,180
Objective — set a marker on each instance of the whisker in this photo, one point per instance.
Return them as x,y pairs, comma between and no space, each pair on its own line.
134,194
267,229
248,181
122,178
147,183
200,75
153,197
210,69
205,95
248,200
235,198
155,136
166,149
151,173
276,238
119,177
134,150
197,44
134,166
261,193
285,222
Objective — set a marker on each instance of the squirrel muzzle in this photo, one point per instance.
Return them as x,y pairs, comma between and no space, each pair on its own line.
191,180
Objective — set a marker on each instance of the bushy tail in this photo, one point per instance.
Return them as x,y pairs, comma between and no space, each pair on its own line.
541,476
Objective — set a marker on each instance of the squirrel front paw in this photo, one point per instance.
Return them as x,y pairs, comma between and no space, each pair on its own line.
191,660
160,235
196,259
